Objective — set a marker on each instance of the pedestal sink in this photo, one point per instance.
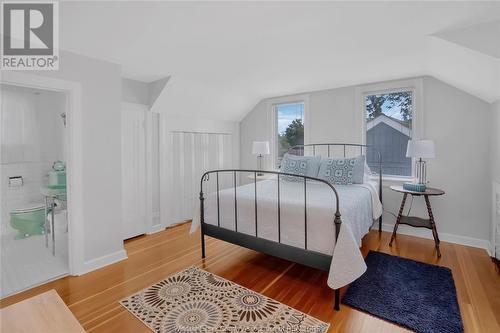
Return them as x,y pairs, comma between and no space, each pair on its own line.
52,193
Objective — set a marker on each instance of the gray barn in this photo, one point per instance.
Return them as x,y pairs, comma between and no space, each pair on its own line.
389,136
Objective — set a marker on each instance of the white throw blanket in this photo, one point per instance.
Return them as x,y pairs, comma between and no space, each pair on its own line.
359,206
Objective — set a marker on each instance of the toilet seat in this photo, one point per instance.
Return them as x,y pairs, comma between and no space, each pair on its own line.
28,208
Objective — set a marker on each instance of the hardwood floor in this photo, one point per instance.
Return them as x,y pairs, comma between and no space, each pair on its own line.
93,298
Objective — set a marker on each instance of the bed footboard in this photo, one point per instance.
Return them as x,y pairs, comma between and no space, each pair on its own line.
307,258
300,255
295,254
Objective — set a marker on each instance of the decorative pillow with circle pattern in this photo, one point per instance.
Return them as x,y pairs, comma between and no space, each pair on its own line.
300,165
341,171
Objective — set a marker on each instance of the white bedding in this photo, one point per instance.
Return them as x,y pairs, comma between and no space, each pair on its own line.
359,206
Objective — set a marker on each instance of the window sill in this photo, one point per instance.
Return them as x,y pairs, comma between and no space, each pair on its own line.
392,180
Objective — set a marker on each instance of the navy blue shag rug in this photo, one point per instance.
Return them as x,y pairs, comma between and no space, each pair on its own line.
412,294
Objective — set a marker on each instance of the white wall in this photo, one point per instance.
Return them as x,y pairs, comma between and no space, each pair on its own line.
139,92
32,138
495,176
459,125
134,91
457,121
329,117
101,153
254,127
155,150
495,142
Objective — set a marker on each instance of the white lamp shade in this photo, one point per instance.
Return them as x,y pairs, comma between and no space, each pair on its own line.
260,148
420,149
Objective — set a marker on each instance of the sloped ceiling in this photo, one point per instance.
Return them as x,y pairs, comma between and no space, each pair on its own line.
483,37
222,58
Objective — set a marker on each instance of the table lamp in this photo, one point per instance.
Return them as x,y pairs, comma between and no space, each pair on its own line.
260,148
420,149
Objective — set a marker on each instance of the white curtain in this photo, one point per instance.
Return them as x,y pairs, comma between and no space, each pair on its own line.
192,154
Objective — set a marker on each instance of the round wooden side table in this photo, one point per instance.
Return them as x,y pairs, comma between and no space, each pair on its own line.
414,221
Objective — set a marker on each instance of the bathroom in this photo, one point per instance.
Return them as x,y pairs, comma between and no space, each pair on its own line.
33,218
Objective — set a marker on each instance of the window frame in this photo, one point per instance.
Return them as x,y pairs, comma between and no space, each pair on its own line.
273,121
413,85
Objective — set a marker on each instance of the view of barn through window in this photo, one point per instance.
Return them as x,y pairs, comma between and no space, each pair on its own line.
389,118
290,123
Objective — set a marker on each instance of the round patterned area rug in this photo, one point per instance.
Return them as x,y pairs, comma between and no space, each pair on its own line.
194,300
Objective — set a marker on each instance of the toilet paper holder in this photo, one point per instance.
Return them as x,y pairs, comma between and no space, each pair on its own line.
16,181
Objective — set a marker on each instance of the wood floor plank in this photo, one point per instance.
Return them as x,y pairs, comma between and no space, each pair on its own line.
93,298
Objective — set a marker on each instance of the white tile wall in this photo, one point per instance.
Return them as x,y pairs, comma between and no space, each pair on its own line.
32,137
34,175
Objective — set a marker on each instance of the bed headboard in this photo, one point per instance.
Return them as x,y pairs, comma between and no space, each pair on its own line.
314,147
346,149
329,150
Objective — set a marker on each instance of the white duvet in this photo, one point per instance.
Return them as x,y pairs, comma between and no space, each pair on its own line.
359,206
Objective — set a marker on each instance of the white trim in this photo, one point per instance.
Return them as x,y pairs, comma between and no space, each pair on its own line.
201,132
73,91
495,223
272,121
273,142
156,228
135,106
31,286
148,131
103,261
416,85
149,170
388,181
451,238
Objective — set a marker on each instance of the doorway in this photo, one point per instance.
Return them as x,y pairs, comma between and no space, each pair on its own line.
72,154
33,222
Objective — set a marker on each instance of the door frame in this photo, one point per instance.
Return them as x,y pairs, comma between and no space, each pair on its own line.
73,92
148,128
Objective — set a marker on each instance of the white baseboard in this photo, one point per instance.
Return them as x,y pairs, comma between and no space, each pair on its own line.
445,237
495,219
156,228
105,260
36,285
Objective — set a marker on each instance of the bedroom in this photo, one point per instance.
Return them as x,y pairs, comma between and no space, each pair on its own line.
158,93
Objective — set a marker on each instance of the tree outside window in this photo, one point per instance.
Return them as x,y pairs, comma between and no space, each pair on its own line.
389,126
290,127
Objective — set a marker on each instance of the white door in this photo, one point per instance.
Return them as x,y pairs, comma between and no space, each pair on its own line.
134,172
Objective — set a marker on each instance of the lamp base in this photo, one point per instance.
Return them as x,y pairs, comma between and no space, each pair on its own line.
259,162
421,172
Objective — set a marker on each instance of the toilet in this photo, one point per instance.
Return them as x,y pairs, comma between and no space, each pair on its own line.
28,220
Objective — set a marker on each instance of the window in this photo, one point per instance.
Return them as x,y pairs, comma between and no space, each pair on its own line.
290,127
389,125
